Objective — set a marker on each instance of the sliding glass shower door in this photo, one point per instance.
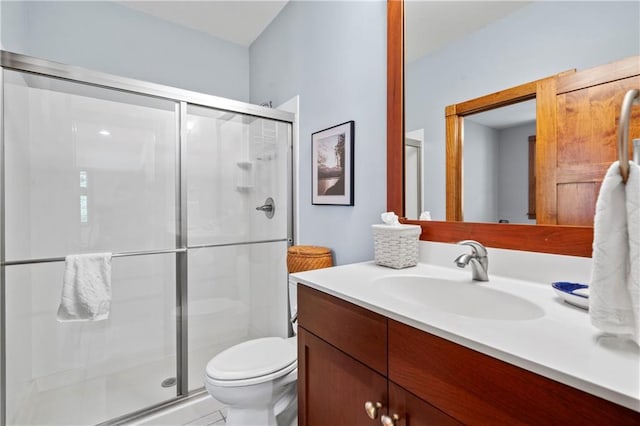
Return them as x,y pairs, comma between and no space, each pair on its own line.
87,170
237,247
192,199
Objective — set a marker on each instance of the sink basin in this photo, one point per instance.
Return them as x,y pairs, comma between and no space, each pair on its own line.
465,298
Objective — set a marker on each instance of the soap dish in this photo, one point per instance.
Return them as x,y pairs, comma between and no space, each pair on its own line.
573,293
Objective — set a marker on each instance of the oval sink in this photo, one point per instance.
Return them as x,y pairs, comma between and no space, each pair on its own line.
465,298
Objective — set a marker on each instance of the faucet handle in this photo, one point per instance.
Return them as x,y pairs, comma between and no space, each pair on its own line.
476,248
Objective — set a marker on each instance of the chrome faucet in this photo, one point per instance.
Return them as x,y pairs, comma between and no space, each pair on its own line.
478,259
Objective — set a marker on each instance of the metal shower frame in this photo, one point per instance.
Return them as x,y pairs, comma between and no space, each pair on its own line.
28,64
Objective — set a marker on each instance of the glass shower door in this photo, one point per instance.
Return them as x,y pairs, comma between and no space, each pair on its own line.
87,169
234,163
237,253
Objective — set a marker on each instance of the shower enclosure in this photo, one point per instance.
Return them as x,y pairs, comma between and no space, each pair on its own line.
168,181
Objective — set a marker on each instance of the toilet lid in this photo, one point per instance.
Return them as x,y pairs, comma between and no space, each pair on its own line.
253,358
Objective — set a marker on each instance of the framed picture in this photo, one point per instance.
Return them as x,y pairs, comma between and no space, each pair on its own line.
332,165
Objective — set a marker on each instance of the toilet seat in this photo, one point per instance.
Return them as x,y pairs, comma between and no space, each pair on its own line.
251,362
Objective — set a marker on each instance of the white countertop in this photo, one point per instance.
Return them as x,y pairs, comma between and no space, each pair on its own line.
560,344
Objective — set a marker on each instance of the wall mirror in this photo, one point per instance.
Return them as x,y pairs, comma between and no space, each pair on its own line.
496,46
505,51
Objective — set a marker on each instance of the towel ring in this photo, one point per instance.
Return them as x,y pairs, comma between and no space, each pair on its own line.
630,98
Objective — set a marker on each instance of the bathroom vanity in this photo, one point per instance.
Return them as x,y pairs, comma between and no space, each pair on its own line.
366,337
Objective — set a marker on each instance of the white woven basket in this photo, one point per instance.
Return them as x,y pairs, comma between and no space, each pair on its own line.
396,246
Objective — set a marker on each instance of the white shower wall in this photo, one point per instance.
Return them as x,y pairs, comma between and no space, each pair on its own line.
93,170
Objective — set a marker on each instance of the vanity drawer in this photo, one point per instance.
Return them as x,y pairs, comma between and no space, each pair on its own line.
352,329
478,389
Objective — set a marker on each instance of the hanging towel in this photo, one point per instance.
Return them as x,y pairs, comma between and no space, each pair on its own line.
86,289
614,296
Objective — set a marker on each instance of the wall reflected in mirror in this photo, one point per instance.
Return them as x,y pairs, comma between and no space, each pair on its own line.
494,46
496,158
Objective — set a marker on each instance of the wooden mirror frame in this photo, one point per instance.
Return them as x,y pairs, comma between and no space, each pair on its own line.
454,118
568,240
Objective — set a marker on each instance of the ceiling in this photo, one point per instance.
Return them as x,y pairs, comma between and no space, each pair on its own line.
237,21
428,24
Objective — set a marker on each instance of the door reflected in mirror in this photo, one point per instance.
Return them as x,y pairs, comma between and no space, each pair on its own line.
413,174
496,164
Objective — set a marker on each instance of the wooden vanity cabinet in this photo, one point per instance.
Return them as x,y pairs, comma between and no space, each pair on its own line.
342,360
478,389
348,355
342,364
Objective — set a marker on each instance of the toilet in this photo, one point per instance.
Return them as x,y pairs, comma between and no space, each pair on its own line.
257,379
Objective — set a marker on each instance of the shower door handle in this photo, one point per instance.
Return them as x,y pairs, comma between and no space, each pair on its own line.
269,208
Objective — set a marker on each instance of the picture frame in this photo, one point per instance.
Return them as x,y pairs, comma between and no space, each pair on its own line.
332,162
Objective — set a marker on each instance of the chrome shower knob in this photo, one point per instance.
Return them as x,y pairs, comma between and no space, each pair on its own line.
372,409
269,208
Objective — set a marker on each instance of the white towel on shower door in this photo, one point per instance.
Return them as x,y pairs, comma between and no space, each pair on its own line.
86,289
614,291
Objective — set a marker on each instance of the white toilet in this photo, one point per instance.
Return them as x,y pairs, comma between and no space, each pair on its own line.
257,379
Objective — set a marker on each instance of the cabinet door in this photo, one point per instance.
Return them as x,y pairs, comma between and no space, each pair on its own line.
412,411
333,387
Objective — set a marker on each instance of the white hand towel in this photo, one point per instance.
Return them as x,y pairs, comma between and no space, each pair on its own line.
614,299
86,290
633,224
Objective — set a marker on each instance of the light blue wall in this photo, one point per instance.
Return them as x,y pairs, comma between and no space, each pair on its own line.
513,173
109,37
13,25
536,41
332,54
480,171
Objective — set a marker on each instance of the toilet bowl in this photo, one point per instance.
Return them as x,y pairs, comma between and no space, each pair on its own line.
257,379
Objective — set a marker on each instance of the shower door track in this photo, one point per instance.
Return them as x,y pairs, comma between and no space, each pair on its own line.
32,65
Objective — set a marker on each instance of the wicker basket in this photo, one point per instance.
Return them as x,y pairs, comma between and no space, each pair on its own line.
305,258
396,246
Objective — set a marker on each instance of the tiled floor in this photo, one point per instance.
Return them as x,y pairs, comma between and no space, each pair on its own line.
216,418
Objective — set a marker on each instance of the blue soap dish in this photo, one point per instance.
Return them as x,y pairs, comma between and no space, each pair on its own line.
573,293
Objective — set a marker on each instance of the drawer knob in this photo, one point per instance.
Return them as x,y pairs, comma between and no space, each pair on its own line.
389,421
372,409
